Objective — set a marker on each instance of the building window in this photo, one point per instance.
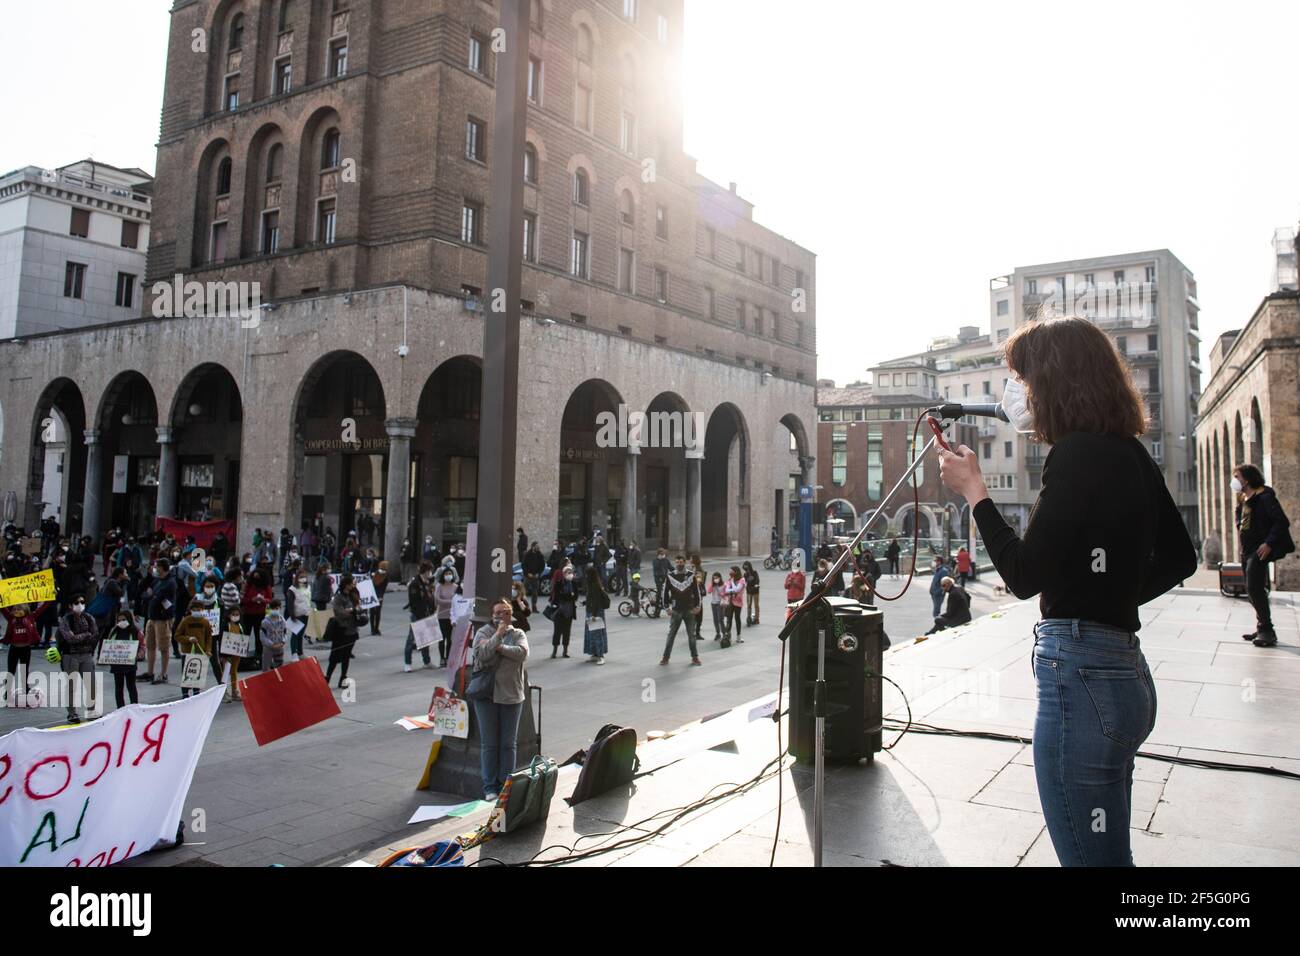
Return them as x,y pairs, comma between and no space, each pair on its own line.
875,463
626,271
629,10
661,222
1151,343
331,151
478,54
471,223
530,237
627,134
476,140
758,262
776,272
710,303
1151,274
1031,287
535,80
627,208
1121,343
740,256
270,233
125,290
577,318
582,108
663,29
711,242
988,449
661,285
236,33
530,164
338,58
274,163
1002,334
1119,276
1003,306
80,225
231,96
578,255
581,188
74,280
327,222
839,454
286,16
741,308
218,246
130,234
1153,379
283,76
1006,449
798,332
583,47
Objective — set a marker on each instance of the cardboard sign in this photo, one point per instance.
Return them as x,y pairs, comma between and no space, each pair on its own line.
118,652
294,626
102,792
236,645
194,672
366,589
27,589
213,617
31,545
426,632
450,714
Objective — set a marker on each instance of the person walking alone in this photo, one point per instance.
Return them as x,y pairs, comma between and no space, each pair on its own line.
1263,528
595,636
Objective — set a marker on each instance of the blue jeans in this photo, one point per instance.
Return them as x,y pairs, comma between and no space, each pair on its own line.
408,653
937,601
498,732
1096,705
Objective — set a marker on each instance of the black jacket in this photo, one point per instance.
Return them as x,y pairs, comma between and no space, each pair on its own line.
1261,520
533,562
679,592
958,611
555,560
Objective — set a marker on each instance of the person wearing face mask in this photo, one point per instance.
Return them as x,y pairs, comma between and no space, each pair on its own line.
322,588
1263,529
194,634
716,596
160,602
228,664
348,616
421,603
595,639
379,578
124,674
503,649
78,637
273,636
1094,556
460,562
298,607
443,593
564,595
21,634
681,595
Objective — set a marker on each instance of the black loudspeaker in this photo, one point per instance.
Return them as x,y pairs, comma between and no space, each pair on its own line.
854,649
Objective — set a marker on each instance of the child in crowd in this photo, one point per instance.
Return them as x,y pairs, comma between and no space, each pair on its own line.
274,631
194,635
298,608
715,601
22,634
231,661
124,674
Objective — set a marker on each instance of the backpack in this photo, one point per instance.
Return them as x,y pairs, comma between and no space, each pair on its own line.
611,762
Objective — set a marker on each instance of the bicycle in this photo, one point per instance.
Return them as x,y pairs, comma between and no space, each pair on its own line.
649,605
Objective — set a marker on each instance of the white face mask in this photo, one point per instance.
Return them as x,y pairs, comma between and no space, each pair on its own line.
1237,486
1016,404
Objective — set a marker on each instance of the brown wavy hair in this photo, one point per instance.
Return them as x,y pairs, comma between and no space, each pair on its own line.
1075,380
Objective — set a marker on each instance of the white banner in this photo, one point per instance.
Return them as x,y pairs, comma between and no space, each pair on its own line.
102,792
426,631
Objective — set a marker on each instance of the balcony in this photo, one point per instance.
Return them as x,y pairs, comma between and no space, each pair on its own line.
1142,356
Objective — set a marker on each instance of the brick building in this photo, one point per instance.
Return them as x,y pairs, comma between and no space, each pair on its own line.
865,444
333,157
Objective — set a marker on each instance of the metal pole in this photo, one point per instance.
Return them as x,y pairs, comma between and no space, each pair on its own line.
500,398
819,765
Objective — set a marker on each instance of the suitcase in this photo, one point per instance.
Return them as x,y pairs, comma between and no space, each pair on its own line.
1232,580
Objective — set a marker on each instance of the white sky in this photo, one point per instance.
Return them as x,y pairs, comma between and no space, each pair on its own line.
918,149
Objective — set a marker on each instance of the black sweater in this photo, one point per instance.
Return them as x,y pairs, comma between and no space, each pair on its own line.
1103,538
1261,520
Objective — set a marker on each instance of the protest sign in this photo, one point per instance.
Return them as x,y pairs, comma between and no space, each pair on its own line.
194,672
236,645
27,589
366,590
450,714
213,617
31,545
102,792
426,631
118,652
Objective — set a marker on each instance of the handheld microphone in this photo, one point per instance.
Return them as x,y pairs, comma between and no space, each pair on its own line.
953,410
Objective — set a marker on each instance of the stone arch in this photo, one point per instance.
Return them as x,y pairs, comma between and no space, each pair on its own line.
260,193
582,161
726,436
1255,449
1238,445
837,502
210,206
220,56
538,142
205,427
444,452
67,447
664,471
340,413
583,17
593,462
127,421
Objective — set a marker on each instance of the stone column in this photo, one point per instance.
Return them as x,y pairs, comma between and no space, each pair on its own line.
167,477
694,460
90,503
397,497
627,519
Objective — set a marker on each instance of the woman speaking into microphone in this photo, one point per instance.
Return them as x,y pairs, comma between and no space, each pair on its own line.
1103,538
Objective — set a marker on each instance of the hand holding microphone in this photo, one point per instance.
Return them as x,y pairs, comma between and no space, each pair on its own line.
960,473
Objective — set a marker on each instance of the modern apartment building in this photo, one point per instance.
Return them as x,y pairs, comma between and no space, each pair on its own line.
1145,301
72,246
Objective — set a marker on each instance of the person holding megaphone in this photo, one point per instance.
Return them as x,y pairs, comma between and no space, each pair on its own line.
1103,538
